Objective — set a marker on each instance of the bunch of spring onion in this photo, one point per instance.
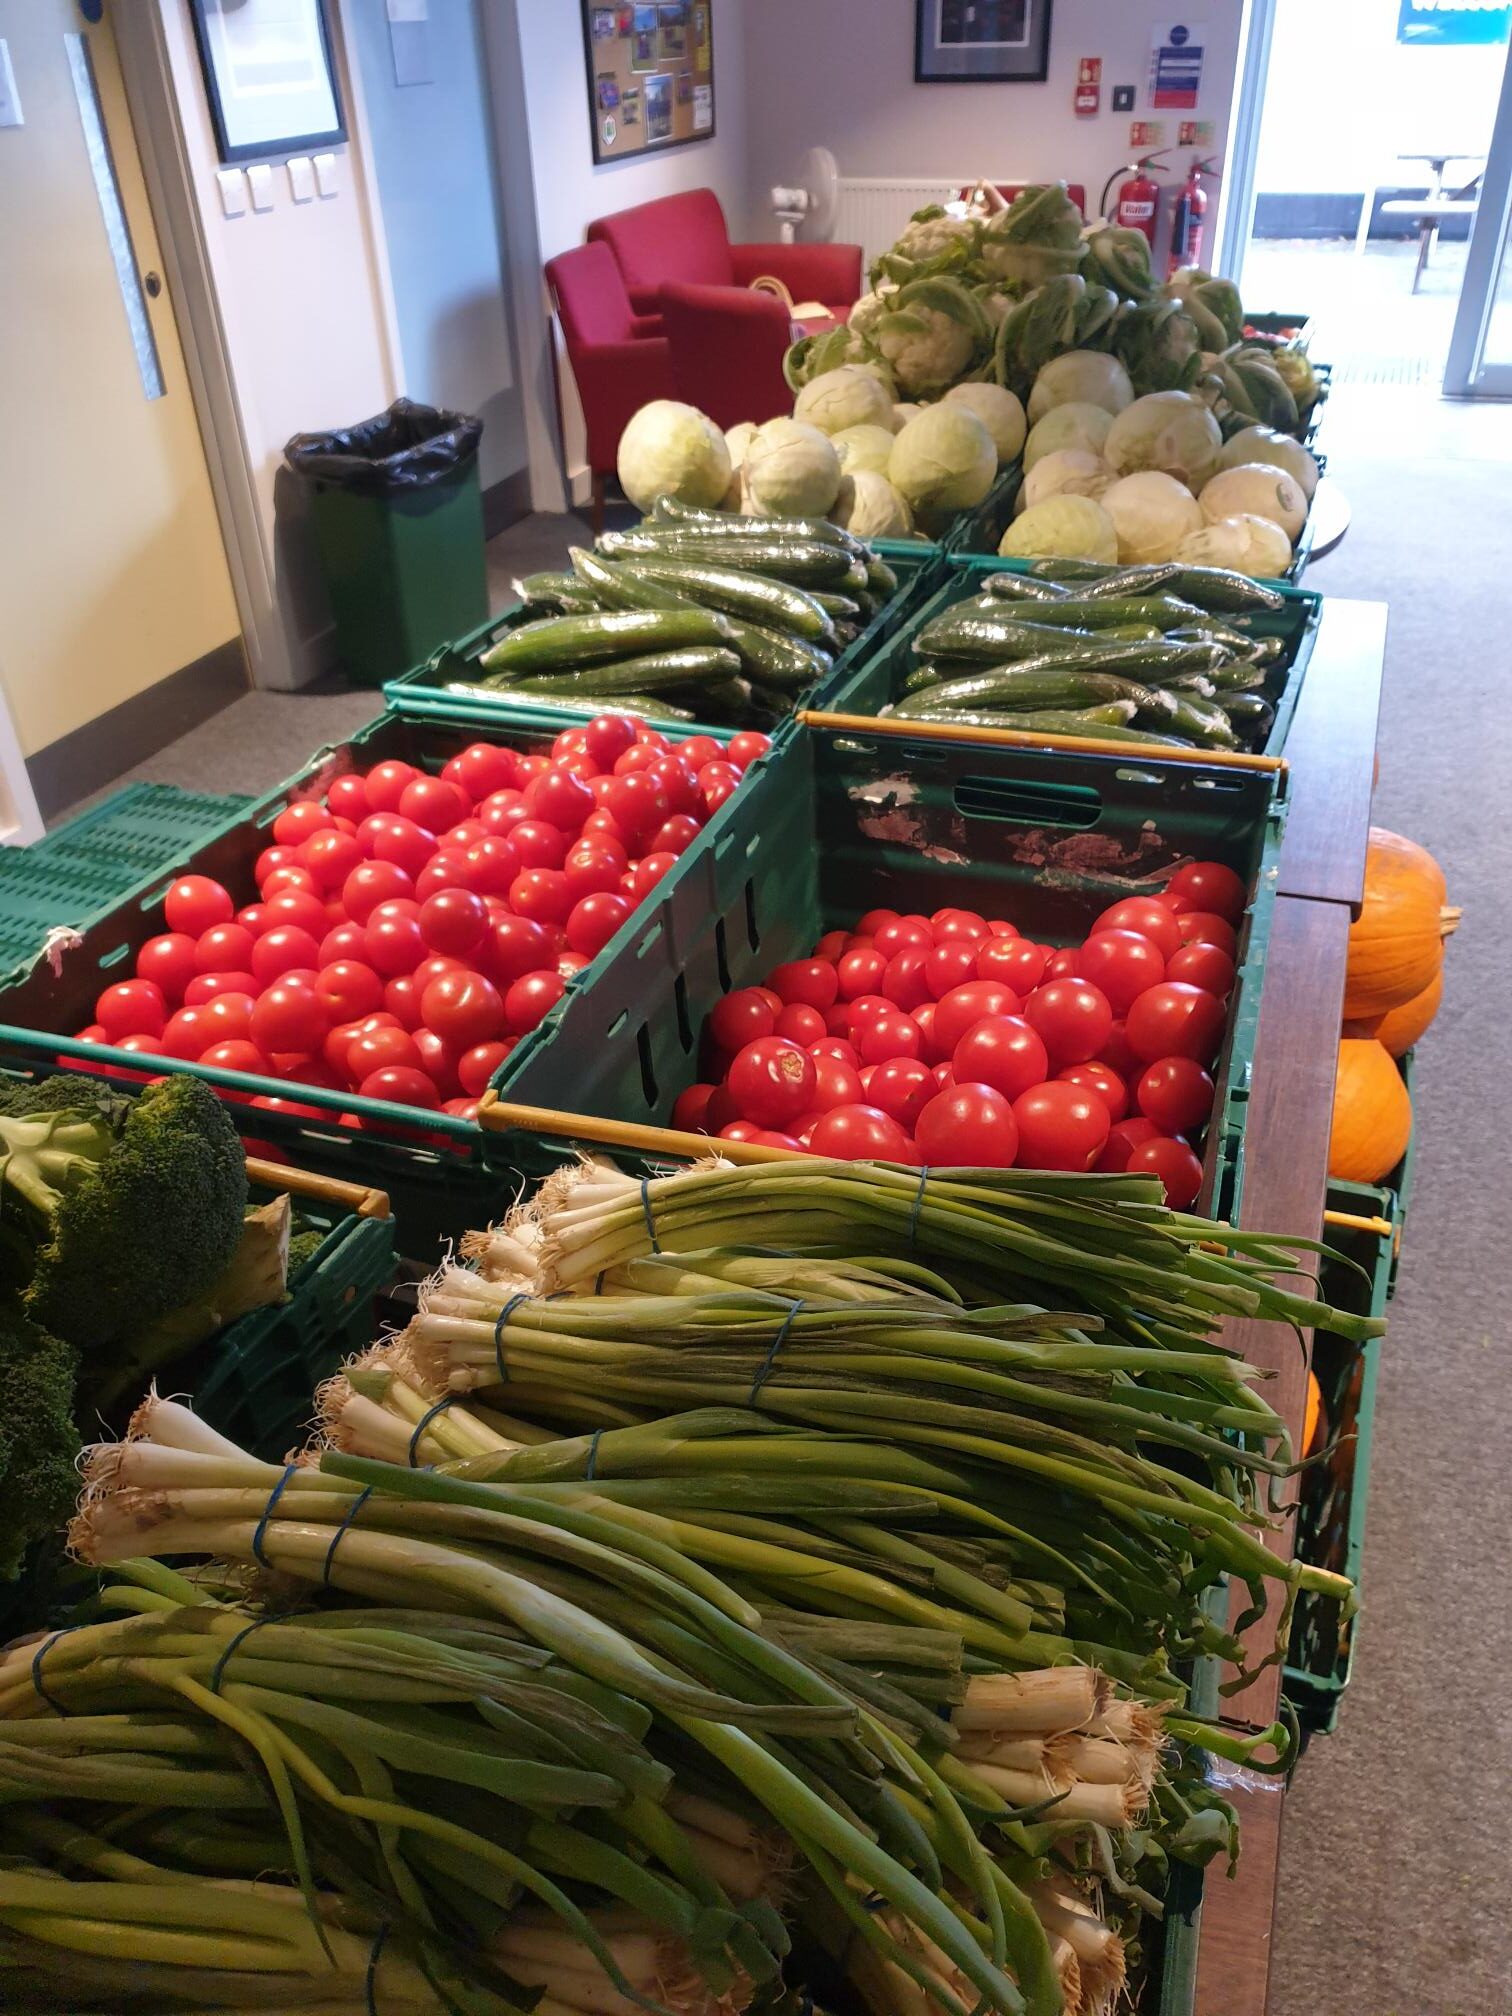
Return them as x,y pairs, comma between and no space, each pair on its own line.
849,1771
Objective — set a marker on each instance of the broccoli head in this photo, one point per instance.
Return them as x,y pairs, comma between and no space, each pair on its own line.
133,1206
39,1444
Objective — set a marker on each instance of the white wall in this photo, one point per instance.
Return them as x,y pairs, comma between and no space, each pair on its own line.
1385,98
840,73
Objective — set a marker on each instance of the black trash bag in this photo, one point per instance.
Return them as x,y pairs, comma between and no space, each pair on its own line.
407,448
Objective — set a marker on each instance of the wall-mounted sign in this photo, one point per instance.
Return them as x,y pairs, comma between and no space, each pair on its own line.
1147,133
269,76
1088,98
650,75
1176,64
1195,133
1444,21
981,41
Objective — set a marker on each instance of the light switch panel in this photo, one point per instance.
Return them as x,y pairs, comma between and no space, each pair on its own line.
301,178
327,174
10,103
233,192
260,182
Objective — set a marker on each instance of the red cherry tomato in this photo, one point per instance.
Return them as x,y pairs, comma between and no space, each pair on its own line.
1176,1093
902,934
287,1019
271,860
143,1046
858,1132
299,821
502,811
446,869
399,1085
542,894
838,1047
195,902
1117,1055
394,941
284,879
477,1066
1209,885
1174,1163
681,786
934,1051
168,961
904,982
1202,965
538,843
433,967
675,835
594,871
607,737
530,999
968,1004
373,883
837,1081
1064,963
229,1016
330,857
463,1008
902,1088
466,833
386,783
1002,1051
1098,1078
488,866
562,800
809,983
131,1008
1206,927
1122,964
593,921
648,872
205,986
700,749
772,1081
376,1048
638,805
295,906
860,972
1073,1020
282,950
885,1037
397,838
965,925
968,1126
1060,1126
237,1054
224,948
454,921
1175,1020
438,1060
347,798
746,747
433,803
401,1000
1124,1136
1012,962
514,947
1148,918
949,965
739,1018
347,990
690,1107
831,945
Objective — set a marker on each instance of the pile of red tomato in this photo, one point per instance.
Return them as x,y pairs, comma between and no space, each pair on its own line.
410,929
952,1039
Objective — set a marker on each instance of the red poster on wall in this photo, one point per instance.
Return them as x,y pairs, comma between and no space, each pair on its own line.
1088,98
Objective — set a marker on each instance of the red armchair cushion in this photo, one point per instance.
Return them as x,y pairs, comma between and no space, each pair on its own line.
617,365
727,348
676,238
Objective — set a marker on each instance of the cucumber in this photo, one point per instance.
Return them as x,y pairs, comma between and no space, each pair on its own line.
804,562
841,608
1239,677
620,586
1052,720
563,593
1249,715
698,519
1204,722
1029,723
567,643
1195,684
644,705
1085,612
1058,568
1021,687
756,598
1147,579
698,665
1222,589
989,639
786,663
1022,588
880,578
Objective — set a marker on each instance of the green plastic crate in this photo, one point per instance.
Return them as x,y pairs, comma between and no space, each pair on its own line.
878,682
429,1162
981,529
83,867
424,692
1401,1180
839,823
1333,1494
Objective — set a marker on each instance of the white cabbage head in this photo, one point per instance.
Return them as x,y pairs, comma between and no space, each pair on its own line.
1000,411
1087,377
672,450
944,461
1152,513
1258,488
791,470
1281,451
1074,425
865,447
849,396
1068,527
1248,544
869,506
1067,471
1168,431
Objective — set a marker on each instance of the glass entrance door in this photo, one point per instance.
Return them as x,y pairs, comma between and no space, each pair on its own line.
1480,351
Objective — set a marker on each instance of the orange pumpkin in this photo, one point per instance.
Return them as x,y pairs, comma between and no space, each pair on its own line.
1372,1113
1399,1028
1396,942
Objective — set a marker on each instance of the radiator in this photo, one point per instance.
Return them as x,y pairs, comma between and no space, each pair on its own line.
873,210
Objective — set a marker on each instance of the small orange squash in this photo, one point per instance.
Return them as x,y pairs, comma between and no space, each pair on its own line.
1372,1113
1399,1028
1396,942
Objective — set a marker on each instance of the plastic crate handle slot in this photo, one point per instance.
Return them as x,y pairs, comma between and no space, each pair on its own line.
1028,801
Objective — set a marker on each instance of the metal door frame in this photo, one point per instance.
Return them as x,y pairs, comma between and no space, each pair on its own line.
1466,373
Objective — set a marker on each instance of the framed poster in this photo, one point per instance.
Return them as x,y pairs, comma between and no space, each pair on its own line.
650,75
982,41
269,75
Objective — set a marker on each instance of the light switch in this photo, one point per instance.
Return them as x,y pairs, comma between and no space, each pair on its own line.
233,191
326,171
301,178
260,182
10,103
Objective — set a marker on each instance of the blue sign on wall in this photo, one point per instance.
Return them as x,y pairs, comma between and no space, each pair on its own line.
1437,23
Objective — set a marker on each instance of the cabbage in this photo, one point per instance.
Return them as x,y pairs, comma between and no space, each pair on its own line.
672,450
791,471
902,413
869,506
1169,431
1152,513
1088,377
848,397
1066,471
1074,425
1251,545
999,412
1264,444
1260,488
1071,528
943,461
864,447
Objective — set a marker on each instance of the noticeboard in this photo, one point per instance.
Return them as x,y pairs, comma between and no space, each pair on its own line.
650,75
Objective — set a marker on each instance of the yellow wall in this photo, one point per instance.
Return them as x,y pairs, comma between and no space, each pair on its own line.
112,572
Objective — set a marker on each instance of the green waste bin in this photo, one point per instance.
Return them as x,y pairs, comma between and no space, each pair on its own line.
398,521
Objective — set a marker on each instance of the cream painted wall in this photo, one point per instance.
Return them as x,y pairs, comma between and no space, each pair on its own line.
112,573
839,74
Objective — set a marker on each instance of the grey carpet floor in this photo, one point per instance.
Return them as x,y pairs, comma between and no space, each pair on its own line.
1396,1888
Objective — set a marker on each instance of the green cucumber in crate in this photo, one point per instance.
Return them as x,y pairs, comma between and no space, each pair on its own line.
560,644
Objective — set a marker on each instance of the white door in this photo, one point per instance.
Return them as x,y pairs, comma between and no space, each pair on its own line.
112,570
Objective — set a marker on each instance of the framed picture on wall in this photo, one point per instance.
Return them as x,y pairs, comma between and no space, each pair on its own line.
650,75
270,75
982,41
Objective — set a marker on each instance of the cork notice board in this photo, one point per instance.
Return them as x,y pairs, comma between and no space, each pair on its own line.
650,75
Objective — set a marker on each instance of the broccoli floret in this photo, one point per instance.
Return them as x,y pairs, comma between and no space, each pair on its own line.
134,1205
303,1247
39,1444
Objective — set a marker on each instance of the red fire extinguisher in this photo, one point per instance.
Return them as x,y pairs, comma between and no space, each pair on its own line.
1186,218
1138,198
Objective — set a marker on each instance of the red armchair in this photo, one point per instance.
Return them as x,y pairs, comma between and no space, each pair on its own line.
685,239
1008,190
619,359
727,348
